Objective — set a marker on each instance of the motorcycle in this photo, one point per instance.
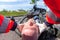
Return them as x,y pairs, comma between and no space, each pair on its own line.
38,14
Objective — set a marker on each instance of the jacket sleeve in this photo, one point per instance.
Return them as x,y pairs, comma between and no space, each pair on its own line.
6,24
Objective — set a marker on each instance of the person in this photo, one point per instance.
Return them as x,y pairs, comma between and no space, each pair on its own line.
7,24
30,30
53,15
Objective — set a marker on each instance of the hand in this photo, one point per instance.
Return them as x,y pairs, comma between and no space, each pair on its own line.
29,30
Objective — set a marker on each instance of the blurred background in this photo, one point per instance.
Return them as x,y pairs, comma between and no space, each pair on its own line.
19,7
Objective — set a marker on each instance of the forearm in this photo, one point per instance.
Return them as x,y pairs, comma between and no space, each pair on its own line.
6,24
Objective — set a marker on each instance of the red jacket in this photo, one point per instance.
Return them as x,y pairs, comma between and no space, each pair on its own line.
5,24
54,6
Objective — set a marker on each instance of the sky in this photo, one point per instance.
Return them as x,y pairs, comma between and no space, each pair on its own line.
19,4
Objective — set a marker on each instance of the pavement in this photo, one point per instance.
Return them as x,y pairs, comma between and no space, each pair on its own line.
12,35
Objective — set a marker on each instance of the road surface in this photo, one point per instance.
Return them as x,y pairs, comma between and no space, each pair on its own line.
12,34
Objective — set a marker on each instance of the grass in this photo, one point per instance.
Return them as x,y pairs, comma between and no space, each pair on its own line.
13,13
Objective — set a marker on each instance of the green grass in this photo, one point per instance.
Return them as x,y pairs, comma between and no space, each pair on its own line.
13,13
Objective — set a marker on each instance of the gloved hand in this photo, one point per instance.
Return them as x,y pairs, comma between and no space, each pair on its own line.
12,18
15,24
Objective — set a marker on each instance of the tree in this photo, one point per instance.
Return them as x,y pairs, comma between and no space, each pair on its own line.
4,10
33,1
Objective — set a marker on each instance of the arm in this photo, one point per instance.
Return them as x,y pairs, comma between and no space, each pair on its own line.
6,24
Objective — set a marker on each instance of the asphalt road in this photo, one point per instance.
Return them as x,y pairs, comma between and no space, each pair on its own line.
12,35
9,36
